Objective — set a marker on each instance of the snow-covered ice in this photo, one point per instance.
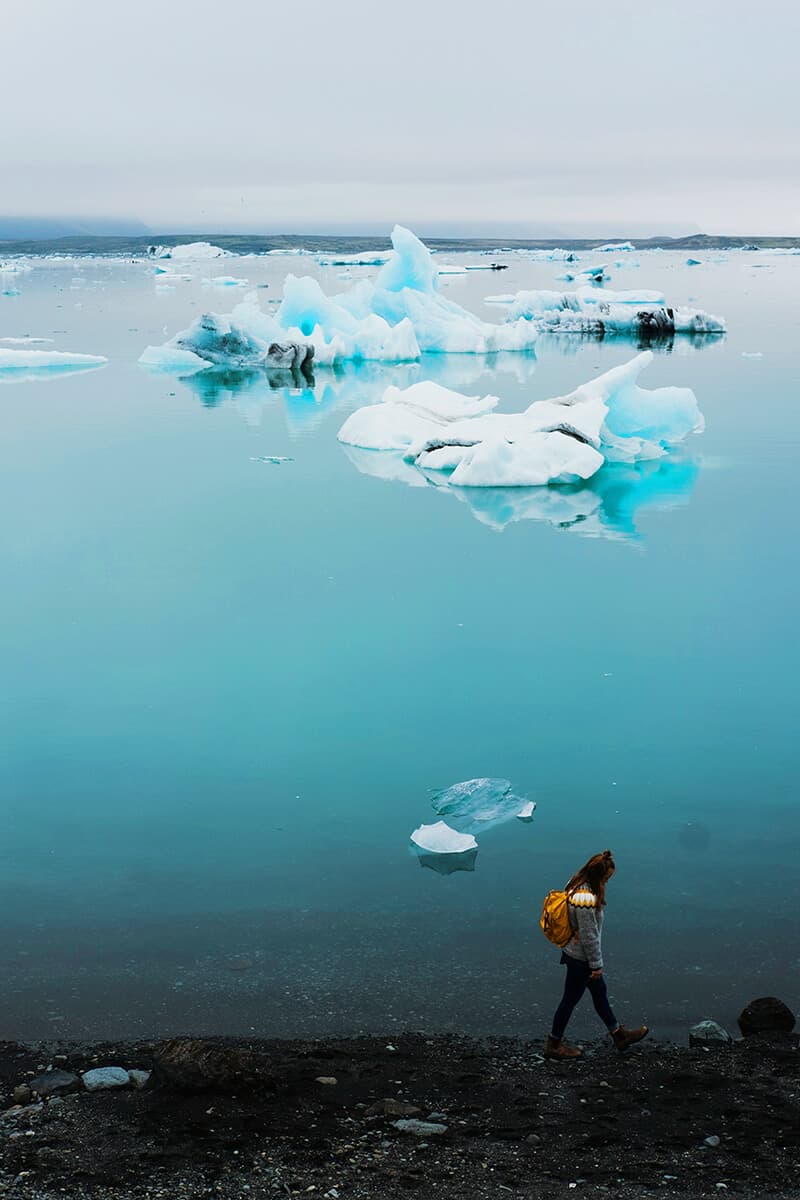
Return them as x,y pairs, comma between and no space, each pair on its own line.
527,811
564,440
440,838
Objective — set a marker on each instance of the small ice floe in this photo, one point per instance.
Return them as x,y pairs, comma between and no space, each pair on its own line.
614,248
274,459
189,251
11,291
225,281
450,269
16,363
694,262
25,341
597,273
367,258
752,354
440,838
527,811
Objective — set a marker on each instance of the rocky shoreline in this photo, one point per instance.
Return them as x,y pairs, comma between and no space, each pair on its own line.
378,1117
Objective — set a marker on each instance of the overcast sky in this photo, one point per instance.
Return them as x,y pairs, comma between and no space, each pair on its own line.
248,114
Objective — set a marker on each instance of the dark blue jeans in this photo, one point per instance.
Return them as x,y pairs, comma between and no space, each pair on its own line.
575,985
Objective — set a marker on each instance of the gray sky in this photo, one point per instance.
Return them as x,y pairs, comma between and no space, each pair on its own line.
249,114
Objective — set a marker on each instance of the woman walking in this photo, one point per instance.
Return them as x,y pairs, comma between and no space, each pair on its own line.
583,958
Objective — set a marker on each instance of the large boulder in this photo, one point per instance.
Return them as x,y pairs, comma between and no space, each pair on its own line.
766,1015
194,1064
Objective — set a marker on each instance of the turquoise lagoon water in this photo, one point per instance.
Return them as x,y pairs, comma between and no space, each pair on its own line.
229,686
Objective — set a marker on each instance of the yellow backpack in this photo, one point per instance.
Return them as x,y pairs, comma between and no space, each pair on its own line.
555,919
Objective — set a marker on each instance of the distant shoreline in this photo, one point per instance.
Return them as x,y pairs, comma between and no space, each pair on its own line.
319,243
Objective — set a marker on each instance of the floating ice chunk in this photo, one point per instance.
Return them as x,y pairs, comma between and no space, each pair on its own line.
527,811
190,251
47,360
597,272
439,838
11,291
567,277
613,247
477,804
25,341
367,258
694,262
752,354
225,281
564,440
273,459
610,313
453,269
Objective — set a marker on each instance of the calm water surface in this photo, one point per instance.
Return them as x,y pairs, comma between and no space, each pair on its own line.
228,687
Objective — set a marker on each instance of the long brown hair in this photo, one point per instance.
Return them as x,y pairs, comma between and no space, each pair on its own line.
593,874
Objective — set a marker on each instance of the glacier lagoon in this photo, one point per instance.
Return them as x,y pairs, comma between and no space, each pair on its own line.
231,684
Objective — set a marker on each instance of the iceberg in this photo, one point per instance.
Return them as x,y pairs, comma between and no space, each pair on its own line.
607,313
439,838
527,811
225,281
394,318
47,360
478,804
613,247
597,273
565,440
189,250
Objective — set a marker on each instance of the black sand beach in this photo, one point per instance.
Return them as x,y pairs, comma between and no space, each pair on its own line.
278,1118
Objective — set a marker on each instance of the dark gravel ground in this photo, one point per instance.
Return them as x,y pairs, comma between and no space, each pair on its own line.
627,1126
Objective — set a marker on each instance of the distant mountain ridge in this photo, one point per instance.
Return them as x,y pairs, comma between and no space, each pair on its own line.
113,244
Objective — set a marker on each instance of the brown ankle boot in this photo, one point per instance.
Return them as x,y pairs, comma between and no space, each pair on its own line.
626,1037
553,1048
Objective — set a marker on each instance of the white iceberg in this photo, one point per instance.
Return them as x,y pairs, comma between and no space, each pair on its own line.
564,440
527,811
393,319
604,313
225,281
189,251
47,360
477,804
439,838
613,247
